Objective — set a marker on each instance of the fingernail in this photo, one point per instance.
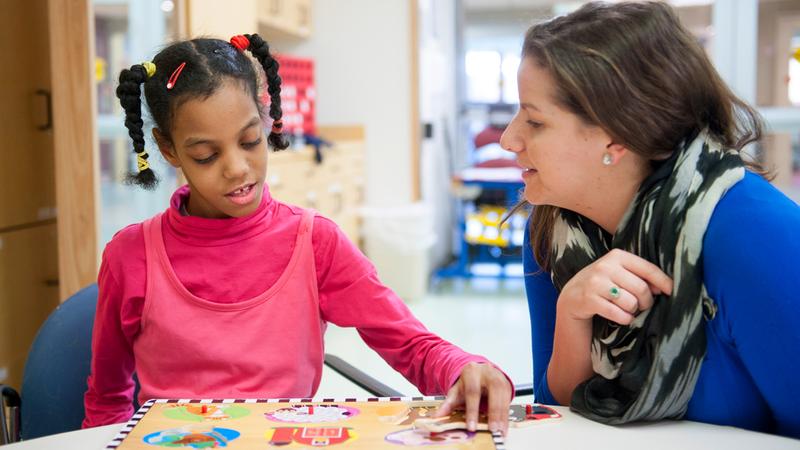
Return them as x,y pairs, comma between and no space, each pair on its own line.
471,425
493,427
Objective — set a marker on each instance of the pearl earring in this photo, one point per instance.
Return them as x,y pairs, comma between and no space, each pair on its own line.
607,159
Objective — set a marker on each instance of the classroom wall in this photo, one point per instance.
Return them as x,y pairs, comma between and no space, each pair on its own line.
362,53
439,66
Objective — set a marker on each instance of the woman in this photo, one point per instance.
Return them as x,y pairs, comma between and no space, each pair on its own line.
662,270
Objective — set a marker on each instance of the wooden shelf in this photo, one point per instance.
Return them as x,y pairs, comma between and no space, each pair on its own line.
284,18
334,188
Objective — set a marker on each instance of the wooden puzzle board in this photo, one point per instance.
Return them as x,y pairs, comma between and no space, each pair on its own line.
292,423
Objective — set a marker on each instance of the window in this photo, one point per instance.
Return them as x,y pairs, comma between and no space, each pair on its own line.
127,32
484,77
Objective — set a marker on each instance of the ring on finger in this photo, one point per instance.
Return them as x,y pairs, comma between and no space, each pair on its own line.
616,292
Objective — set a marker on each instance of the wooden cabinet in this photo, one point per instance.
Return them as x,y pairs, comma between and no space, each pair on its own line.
47,197
334,188
28,293
285,18
28,245
219,19
27,191
272,18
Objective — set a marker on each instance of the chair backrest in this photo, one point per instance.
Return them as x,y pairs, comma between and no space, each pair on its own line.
54,380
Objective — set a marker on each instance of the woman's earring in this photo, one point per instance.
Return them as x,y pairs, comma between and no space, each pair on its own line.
607,159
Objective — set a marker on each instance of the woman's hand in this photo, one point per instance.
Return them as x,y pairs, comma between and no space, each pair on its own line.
479,380
617,286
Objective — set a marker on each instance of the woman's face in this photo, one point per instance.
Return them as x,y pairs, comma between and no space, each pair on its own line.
220,144
561,155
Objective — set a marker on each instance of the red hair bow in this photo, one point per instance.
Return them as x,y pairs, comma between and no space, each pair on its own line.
240,42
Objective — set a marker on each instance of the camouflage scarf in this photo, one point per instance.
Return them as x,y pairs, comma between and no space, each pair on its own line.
648,369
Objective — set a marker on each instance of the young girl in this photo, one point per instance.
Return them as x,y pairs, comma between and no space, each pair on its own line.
227,293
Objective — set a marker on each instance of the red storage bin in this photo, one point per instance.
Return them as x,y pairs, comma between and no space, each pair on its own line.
298,94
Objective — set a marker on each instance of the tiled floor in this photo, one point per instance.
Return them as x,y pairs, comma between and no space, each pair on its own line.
483,316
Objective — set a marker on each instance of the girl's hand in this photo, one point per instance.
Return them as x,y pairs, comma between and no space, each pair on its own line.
479,380
617,286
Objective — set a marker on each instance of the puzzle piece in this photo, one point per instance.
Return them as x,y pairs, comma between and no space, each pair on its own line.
526,415
518,416
401,414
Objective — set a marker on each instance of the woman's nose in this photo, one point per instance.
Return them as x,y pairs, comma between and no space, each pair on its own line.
510,141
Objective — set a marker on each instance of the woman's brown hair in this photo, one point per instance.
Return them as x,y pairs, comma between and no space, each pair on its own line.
635,71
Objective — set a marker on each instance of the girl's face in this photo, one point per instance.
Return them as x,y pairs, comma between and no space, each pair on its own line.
220,144
562,155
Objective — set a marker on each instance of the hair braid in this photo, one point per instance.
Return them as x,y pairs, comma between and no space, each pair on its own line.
129,94
260,49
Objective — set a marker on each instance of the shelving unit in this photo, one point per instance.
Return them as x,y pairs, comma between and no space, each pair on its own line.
480,238
285,18
333,186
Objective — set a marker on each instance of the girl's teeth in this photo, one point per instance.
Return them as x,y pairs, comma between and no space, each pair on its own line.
241,191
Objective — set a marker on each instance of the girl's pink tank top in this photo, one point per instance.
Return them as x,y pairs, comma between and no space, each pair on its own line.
268,346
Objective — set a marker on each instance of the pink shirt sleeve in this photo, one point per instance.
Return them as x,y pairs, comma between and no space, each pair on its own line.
109,398
352,296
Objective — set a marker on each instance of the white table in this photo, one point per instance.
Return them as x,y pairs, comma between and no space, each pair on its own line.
577,432
571,432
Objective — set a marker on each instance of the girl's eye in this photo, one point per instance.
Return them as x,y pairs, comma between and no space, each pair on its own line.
534,124
251,144
206,160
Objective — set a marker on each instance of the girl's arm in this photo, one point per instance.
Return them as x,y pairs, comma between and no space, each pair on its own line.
109,398
351,295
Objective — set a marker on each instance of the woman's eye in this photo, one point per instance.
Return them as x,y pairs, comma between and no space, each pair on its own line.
251,144
534,124
206,160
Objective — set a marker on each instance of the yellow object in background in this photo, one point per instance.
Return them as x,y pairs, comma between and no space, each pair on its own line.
99,69
483,226
796,54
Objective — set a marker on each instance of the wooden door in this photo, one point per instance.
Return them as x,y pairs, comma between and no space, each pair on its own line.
28,293
47,158
28,243
27,184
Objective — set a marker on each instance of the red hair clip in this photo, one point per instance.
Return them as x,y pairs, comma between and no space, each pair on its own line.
241,42
277,126
174,77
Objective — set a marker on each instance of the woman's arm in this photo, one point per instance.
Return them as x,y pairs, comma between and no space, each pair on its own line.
586,295
752,270
542,297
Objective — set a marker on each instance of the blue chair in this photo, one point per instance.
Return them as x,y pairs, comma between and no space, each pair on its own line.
54,379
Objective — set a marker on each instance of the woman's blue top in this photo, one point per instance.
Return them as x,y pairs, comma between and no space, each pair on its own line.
750,377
